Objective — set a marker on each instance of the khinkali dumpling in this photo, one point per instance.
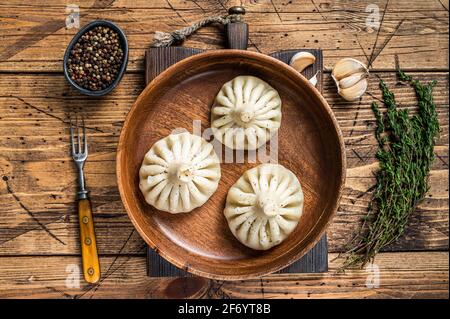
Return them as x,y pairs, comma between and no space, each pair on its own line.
246,113
179,173
264,206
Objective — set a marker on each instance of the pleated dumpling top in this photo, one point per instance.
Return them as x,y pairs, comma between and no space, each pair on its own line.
246,113
179,173
264,206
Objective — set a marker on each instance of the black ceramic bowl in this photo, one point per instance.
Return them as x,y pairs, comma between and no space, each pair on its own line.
123,42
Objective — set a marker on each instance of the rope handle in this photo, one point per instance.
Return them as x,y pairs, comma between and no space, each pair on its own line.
165,39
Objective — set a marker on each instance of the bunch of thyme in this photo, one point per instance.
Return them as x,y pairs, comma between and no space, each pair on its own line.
406,152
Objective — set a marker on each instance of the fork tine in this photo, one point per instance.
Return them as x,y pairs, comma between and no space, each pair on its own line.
72,142
78,137
84,138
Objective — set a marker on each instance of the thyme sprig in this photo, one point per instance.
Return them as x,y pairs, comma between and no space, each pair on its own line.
406,152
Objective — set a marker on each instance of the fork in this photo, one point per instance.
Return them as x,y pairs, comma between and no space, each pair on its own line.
91,264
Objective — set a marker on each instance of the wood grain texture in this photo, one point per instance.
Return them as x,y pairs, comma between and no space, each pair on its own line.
39,180
237,35
402,275
417,32
39,227
157,60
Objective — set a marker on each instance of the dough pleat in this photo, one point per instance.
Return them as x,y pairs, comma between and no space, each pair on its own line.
179,173
242,103
264,206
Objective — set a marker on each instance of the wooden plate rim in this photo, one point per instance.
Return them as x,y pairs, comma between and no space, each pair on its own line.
291,73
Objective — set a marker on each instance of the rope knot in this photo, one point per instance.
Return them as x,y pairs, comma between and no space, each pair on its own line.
164,39
235,17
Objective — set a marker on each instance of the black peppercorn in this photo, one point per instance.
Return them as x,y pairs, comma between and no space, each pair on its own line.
97,50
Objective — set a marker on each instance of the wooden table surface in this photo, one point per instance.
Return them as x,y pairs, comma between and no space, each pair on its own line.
39,249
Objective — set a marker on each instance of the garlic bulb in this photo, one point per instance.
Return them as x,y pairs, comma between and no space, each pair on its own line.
350,76
301,60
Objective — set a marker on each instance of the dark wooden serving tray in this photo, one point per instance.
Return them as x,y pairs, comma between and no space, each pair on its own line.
159,59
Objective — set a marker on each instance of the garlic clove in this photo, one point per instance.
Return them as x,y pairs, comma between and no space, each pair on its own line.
351,80
313,80
301,60
354,92
346,67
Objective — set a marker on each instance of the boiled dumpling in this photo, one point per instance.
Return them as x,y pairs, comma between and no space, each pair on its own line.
179,173
246,113
264,206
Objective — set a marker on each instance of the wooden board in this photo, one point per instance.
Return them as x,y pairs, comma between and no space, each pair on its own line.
314,261
157,61
417,32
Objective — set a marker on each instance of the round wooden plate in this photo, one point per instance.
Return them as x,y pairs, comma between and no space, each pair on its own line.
309,142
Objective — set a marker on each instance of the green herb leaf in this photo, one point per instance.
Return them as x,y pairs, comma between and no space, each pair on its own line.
405,155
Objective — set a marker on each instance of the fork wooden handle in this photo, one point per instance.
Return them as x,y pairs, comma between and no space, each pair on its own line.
91,264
